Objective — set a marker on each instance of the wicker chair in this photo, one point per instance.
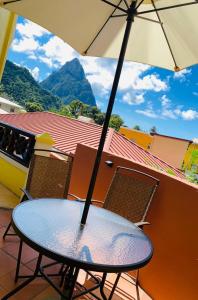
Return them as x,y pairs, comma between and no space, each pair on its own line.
48,177
130,195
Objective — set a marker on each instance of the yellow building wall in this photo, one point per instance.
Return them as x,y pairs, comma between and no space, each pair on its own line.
189,160
140,138
12,174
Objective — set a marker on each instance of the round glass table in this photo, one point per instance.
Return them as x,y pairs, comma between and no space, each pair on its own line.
106,243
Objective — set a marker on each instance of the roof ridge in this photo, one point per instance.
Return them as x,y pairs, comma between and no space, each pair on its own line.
109,139
172,137
71,118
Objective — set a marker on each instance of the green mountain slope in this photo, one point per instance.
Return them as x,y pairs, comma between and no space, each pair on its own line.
19,85
70,83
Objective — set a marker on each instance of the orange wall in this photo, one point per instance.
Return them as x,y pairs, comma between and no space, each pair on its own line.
141,138
173,271
170,150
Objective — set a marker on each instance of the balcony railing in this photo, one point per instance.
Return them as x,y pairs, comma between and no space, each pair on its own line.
16,143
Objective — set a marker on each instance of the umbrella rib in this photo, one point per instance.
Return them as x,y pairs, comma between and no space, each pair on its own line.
98,33
165,35
121,15
147,19
126,3
167,7
11,1
116,6
139,4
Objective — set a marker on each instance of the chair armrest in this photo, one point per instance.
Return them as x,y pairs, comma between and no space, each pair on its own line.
27,194
141,224
83,200
97,202
74,196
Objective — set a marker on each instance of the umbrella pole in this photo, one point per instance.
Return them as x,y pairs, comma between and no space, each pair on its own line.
130,19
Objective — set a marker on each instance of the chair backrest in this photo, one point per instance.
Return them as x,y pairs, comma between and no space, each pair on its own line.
49,176
130,193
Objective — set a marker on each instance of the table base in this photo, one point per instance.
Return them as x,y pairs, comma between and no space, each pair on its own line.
68,281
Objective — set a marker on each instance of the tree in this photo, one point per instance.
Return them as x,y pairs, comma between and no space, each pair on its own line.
76,108
137,127
116,122
99,118
4,94
93,112
153,130
33,106
64,111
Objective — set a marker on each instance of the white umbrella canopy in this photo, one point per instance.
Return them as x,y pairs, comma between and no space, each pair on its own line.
167,38
164,34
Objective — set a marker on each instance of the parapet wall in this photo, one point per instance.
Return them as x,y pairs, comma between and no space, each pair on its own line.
173,271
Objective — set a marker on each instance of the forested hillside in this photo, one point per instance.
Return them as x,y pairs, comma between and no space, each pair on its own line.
19,85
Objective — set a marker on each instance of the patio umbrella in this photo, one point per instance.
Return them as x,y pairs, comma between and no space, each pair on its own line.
7,21
164,34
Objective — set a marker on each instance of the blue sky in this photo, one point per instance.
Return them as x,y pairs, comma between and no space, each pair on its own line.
147,96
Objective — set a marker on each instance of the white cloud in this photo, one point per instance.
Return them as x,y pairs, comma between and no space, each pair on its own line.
49,62
102,74
166,110
148,113
130,75
195,93
165,101
187,115
30,29
96,74
35,72
133,99
168,113
181,75
151,82
195,140
55,51
25,45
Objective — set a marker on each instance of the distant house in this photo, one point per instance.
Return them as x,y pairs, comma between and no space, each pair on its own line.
139,137
7,106
170,149
86,119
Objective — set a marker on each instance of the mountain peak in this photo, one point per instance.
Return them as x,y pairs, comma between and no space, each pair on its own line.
75,68
70,83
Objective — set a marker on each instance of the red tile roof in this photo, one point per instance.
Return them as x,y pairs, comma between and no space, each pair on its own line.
67,133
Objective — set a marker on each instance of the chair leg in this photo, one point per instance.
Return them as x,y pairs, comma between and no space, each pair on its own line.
6,231
18,261
24,198
114,286
104,297
137,285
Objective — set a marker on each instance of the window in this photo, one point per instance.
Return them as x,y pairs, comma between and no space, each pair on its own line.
11,109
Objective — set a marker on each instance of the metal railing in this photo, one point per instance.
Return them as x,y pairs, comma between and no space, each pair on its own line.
16,143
